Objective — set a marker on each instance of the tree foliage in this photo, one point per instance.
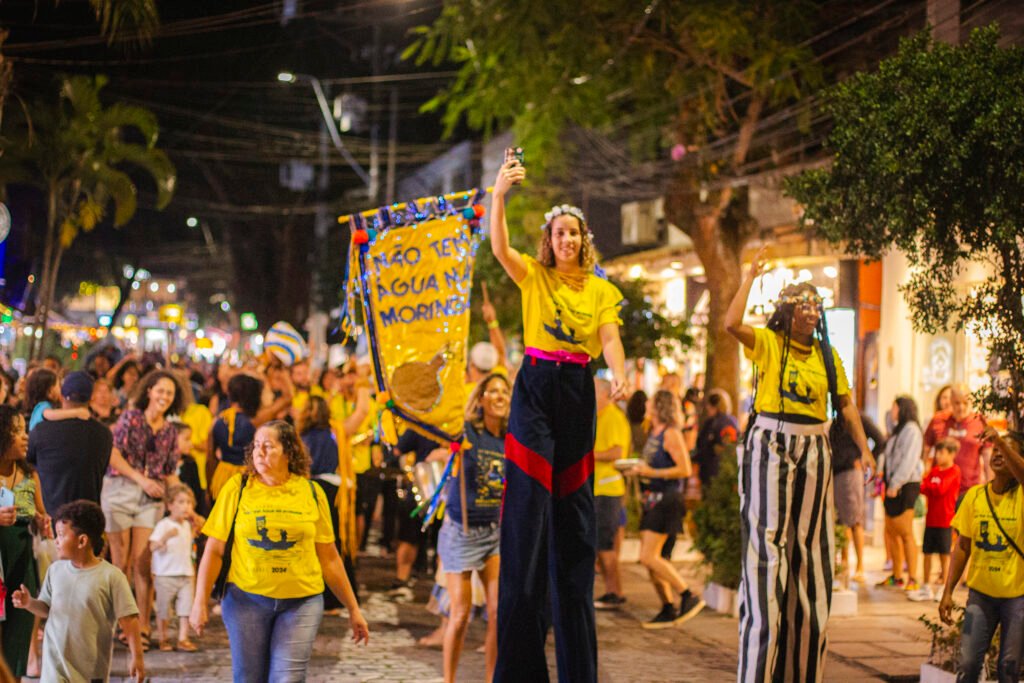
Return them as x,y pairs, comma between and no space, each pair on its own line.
78,153
645,76
928,159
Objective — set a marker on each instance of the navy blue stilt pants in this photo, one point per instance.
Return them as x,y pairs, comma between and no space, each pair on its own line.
548,529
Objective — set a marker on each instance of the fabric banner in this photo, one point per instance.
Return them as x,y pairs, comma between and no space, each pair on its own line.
413,274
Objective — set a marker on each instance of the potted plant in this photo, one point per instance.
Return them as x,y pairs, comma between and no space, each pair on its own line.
943,660
718,534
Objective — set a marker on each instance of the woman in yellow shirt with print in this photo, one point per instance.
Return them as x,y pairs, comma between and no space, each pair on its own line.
786,484
548,528
282,553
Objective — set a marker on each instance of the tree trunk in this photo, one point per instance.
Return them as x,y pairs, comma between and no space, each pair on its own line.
42,303
719,228
723,272
58,256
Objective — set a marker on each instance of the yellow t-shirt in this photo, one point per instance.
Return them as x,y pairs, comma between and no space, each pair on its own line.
341,408
612,430
995,568
274,551
805,385
200,419
301,398
559,318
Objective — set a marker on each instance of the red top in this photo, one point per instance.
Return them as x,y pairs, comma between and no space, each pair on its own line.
968,432
941,487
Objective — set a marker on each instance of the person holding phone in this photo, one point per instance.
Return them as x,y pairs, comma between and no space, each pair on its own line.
548,530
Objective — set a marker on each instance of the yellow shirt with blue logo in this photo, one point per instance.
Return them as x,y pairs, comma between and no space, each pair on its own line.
804,385
276,532
612,430
557,317
995,568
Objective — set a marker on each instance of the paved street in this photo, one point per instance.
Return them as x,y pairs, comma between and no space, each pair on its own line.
885,642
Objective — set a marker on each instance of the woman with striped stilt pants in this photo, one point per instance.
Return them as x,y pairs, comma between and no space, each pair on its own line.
548,527
786,485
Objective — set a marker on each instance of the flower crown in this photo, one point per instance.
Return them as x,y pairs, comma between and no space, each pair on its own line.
564,210
804,297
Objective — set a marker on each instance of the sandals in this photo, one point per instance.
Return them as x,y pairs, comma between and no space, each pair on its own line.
187,646
166,646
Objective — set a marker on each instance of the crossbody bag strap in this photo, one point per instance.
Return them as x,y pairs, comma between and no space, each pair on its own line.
231,533
995,518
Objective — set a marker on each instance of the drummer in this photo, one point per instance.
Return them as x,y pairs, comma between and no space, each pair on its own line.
412,448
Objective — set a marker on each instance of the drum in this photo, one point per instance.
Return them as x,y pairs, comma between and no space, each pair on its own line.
425,478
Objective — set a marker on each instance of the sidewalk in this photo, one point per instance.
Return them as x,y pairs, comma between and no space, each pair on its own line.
885,642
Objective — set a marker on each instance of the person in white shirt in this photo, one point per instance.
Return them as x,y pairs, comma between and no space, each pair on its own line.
174,572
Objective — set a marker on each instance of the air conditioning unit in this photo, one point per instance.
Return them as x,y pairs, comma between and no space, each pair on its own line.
643,222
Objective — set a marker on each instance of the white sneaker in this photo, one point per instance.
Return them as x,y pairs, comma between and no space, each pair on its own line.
921,594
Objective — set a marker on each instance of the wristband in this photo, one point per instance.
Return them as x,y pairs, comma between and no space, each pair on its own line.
493,325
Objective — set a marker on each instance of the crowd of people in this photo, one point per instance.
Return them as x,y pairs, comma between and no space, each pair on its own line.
256,484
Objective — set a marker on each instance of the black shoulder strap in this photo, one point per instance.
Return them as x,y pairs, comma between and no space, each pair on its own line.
312,487
999,525
245,478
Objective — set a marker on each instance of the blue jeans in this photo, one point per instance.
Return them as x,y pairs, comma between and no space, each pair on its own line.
981,617
271,640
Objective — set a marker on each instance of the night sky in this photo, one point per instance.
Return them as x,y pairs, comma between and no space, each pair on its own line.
228,124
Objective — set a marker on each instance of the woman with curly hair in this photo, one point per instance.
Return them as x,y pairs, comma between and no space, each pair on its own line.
570,315
143,462
786,484
469,538
18,563
282,554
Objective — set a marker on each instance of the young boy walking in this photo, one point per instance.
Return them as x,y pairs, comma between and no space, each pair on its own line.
940,486
82,598
173,570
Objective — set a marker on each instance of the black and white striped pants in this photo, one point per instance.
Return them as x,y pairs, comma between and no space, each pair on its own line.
789,541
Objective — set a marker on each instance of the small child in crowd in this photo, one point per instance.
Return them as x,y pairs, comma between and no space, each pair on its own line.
173,570
188,469
940,486
42,392
82,597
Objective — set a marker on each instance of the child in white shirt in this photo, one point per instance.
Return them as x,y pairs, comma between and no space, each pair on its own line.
173,570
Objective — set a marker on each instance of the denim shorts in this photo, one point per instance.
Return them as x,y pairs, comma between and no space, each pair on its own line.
463,552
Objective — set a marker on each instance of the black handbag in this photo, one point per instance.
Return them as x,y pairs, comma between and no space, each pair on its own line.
220,585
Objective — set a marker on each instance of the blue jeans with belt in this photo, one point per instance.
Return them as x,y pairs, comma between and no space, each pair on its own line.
271,639
981,617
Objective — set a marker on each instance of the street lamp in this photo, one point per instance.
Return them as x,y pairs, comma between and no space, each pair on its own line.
325,110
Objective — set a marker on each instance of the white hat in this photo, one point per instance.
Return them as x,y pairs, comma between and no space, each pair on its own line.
483,356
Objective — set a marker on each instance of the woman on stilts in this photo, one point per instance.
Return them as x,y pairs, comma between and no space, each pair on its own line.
786,484
548,529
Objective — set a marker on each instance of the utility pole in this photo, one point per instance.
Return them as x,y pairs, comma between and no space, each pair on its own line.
375,120
389,194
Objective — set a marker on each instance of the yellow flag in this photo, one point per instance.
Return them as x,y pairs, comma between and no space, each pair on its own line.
415,282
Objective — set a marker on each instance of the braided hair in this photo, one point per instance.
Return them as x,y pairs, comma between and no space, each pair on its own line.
782,322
